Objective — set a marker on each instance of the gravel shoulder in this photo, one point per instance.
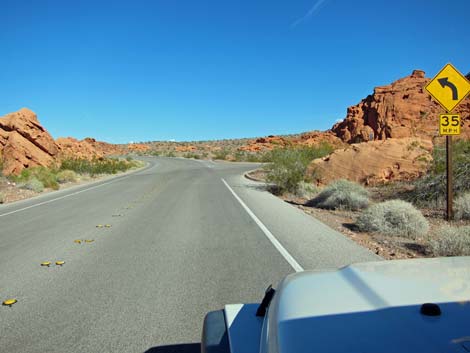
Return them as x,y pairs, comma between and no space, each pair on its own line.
10,192
389,248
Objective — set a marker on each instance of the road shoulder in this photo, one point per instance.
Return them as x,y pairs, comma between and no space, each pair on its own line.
311,242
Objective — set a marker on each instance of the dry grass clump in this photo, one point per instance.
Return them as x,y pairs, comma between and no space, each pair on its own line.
67,176
34,184
451,241
395,218
306,190
32,178
462,206
343,195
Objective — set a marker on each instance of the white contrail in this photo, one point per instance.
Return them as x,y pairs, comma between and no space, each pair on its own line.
309,14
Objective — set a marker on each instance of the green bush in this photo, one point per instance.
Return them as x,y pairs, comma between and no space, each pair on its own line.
342,194
394,217
46,176
287,166
34,184
462,206
97,165
451,241
432,187
67,176
222,154
191,155
245,156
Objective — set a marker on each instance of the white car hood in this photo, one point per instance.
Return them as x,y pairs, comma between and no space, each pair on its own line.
372,307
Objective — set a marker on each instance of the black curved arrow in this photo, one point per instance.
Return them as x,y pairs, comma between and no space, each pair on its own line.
445,82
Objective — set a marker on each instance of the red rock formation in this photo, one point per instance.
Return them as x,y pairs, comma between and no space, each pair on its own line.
189,148
402,109
314,138
374,162
24,142
87,148
266,144
138,147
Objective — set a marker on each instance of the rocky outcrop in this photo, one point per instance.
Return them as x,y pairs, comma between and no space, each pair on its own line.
401,109
374,162
266,144
87,148
24,142
186,148
314,138
138,147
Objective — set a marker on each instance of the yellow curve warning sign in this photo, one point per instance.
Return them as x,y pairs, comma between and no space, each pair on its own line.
449,87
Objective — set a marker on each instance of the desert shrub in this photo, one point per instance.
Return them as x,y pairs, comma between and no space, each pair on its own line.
342,194
34,184
46,176
245,156
66,176
462,206
222,154
287,166
451,241
191,155
308,153
431,188
306,190
97,166
240,156
286,170
394,217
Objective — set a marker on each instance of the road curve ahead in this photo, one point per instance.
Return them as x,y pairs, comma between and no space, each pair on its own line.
159,248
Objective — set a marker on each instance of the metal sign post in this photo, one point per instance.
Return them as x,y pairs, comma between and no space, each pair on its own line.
449,125
450,187
449,87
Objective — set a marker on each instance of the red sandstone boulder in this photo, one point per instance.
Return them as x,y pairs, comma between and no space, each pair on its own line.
374,162
24,142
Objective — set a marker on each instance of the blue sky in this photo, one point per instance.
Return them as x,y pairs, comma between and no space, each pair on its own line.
140,70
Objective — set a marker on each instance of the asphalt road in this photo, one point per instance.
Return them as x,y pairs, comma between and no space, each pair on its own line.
180,244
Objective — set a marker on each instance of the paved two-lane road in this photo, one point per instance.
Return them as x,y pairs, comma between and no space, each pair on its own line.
186,237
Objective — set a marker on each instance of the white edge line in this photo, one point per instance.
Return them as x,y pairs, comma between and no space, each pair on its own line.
74,193
295,265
